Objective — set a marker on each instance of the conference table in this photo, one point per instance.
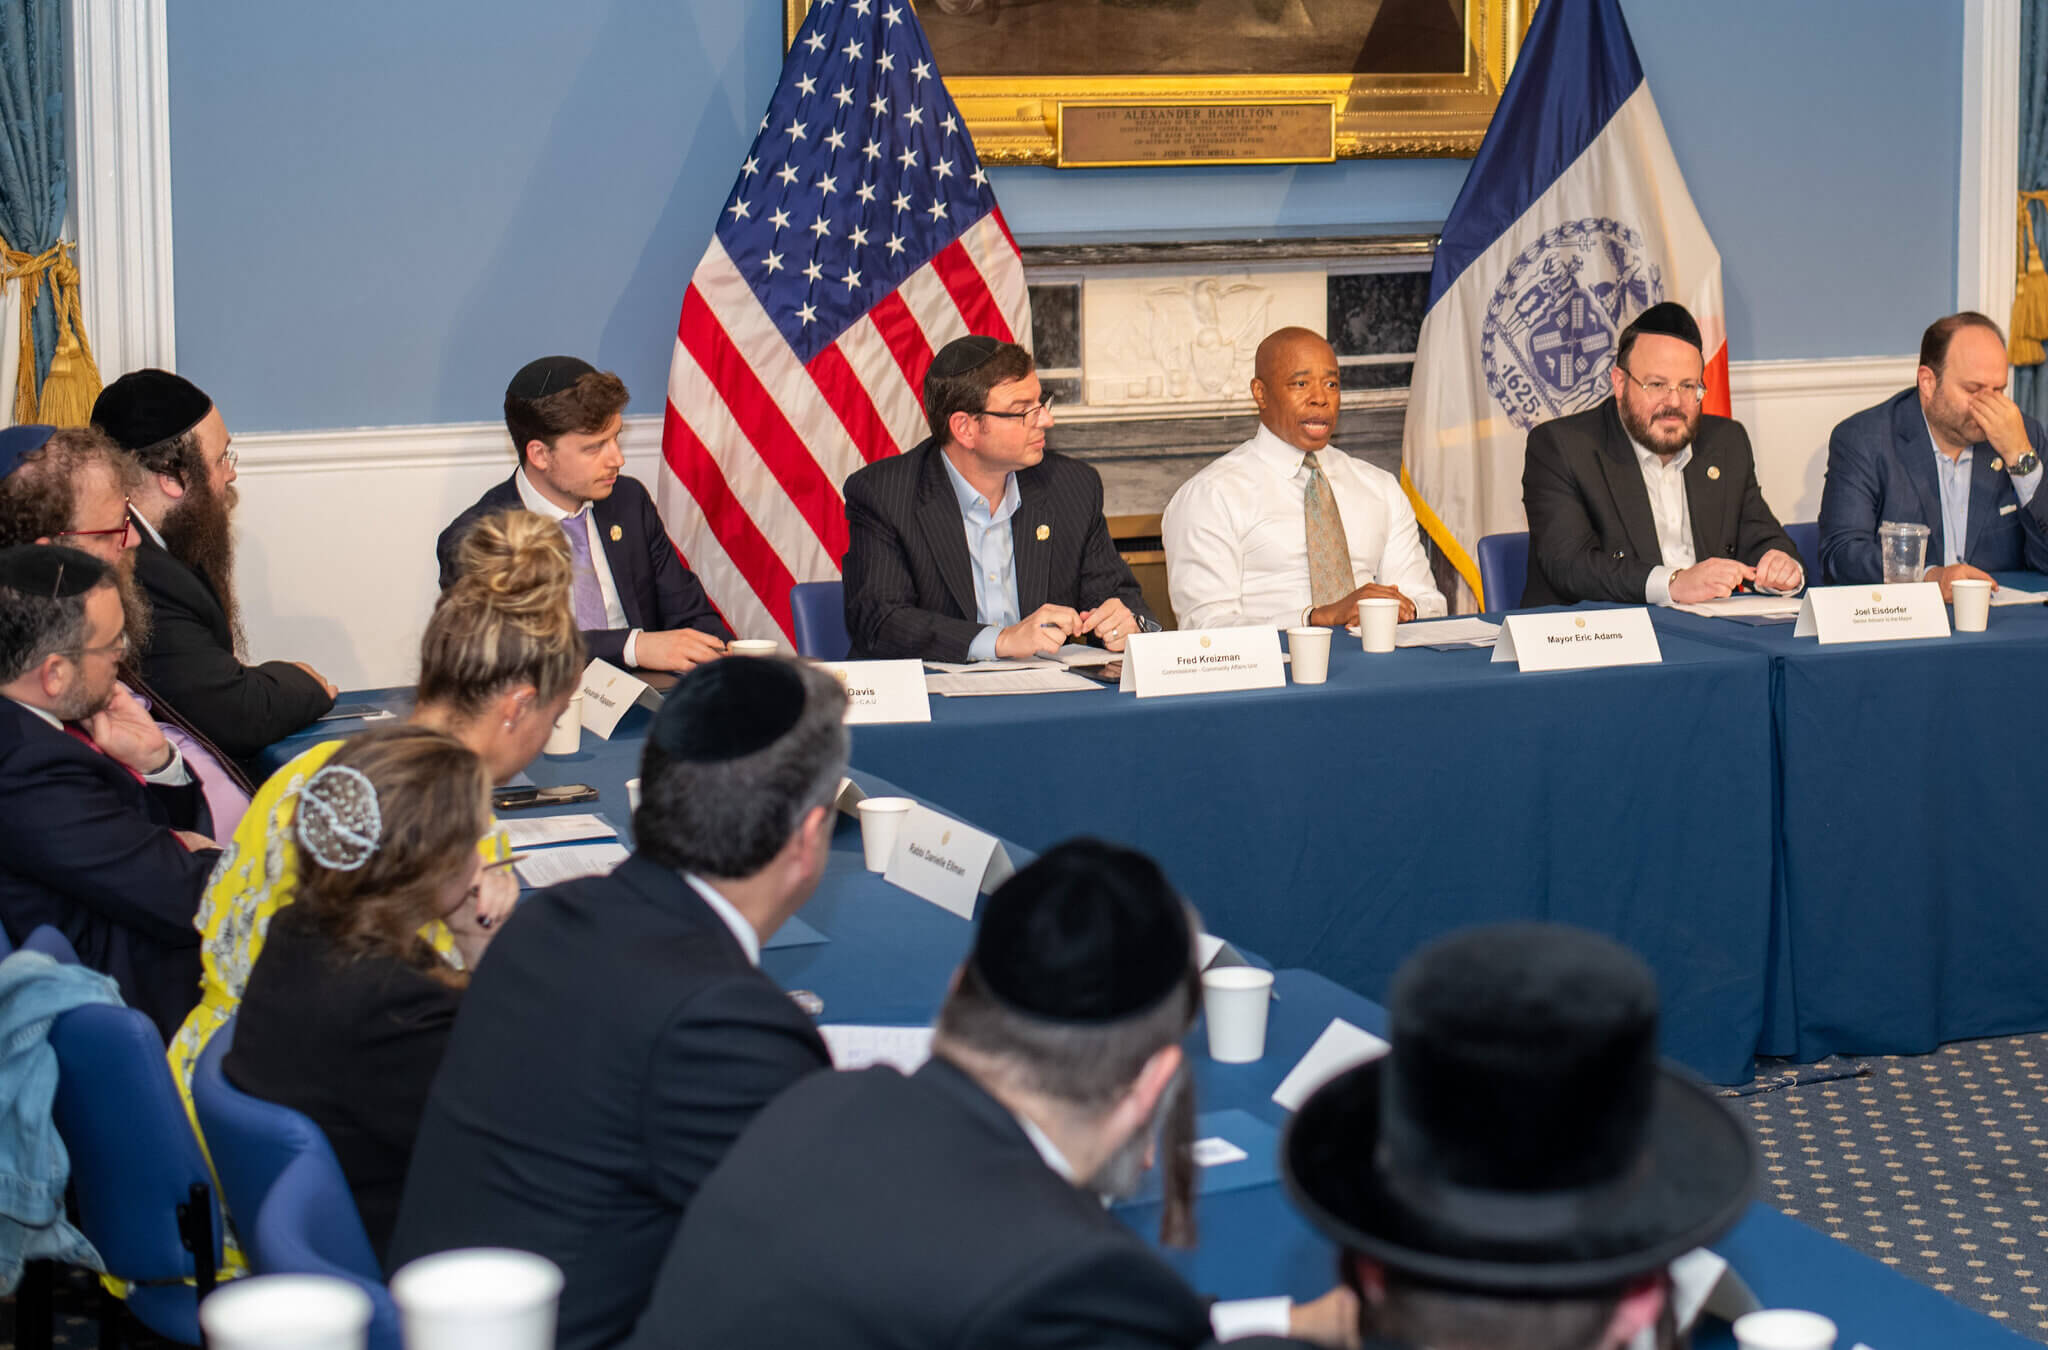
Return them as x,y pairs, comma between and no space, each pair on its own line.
886,959
1908,885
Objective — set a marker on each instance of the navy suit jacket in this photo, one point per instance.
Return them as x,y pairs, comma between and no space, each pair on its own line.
655,589
910,582
1591,533
1881,467
190,662
87,848
609,1049
872,1210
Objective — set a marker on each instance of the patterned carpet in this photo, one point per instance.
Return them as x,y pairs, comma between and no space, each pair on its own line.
1936,1165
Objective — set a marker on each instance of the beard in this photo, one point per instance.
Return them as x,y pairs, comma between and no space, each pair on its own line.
1660,436
197,532
1171,1131
1954,425
136,617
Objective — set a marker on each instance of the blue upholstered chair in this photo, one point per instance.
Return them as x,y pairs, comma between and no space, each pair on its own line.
1504,570
819,611
290,1203
1805,536
143,1195
52,944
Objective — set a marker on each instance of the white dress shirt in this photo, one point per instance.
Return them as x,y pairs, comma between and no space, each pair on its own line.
749,940
1666,483
1228,1319
993,556
1237,538
614,613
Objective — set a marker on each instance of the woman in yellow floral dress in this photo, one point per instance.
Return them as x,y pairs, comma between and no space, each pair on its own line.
498,664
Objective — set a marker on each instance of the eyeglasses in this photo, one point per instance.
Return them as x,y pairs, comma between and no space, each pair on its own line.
1036,412
117,649
1689,391
229,456
121,531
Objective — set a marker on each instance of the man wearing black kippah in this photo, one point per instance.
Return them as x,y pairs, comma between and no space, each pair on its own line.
635,601
1644,499
979,543
963,1206
621,1035
102,828
185,562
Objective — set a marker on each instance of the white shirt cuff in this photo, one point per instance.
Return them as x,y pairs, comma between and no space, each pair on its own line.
173,774
983,648
2027,485
630,654
1251,1317
1657,590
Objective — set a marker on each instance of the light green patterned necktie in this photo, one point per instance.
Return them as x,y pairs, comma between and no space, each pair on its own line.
1329,553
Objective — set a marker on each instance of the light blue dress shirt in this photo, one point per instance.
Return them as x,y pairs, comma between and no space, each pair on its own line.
1954,477
994,556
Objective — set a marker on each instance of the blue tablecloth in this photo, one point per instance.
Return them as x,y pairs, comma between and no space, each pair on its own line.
1910,909
1341,826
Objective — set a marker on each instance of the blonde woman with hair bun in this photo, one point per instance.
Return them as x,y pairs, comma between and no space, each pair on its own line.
499,661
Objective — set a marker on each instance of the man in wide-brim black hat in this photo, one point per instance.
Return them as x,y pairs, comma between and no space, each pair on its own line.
1519,1170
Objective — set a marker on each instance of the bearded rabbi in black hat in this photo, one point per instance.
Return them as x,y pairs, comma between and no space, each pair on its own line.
980,542
1645,498
1519,1170
185,564
964,1205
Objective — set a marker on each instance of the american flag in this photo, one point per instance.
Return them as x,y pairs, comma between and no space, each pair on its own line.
860,238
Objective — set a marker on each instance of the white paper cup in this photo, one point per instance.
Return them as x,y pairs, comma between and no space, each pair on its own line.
481,1298
286,1312
1310,648
1235,998
1784,1329
880,819
753,647
1972,599
567,737
633,794
1377,617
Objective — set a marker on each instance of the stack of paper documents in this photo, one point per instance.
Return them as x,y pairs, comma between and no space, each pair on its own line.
2013,595
564,847
1444,634
1747,607
1037,678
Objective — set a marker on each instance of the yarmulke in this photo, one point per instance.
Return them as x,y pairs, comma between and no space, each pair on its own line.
1089,933
18,443
1669,319
962,355
144,407
49,571
548,375
727,709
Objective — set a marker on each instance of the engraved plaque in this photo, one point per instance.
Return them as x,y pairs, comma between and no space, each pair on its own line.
1101,135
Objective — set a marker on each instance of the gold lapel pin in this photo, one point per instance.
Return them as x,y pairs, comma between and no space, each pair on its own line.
1713,471
1997,464
617,534
1044,533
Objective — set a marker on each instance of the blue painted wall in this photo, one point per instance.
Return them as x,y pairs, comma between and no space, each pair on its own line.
383,208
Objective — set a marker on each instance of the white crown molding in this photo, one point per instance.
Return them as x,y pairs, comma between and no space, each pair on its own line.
1986,213
435,445
121,177
1760,380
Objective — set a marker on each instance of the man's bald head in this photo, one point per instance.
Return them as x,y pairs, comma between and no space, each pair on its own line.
1297,386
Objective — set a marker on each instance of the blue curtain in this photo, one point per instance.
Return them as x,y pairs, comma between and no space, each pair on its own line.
2030,383
32,168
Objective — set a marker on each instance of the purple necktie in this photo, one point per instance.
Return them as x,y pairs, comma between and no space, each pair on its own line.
585,597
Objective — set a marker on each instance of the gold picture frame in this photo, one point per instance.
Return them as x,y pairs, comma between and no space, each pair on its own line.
1015,119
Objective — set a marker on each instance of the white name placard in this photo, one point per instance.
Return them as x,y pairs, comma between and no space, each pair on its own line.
1202,661
1873,613
608,693
1578,641
882,691
941,860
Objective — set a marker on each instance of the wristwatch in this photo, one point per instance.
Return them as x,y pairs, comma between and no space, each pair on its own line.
2024,465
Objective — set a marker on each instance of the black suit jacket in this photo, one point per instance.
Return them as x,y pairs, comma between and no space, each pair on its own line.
1591,534
655,589
612,1045
87,848
352,1042
910,583
868,1209
191,663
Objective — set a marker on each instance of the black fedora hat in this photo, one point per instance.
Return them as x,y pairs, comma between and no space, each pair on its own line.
1521,1135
